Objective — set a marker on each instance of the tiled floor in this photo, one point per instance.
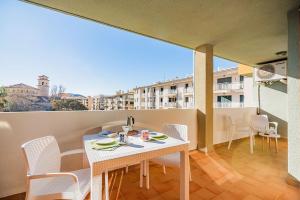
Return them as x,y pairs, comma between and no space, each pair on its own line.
221,175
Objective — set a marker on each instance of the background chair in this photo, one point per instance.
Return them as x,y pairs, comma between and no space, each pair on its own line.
44,177
260,124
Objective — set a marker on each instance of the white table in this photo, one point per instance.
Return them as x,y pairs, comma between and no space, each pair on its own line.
102,161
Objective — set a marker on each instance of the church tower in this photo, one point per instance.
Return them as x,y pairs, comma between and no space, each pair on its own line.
43,86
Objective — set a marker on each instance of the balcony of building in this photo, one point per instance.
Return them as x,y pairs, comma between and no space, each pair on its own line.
228,87
229,105
189,91
217,172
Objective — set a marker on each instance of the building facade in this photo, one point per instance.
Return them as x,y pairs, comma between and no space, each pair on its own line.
120,101
230,90
177,93
22,89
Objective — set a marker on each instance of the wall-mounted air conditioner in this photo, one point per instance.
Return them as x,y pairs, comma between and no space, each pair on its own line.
273,71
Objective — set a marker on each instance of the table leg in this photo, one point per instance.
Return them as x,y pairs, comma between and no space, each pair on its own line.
106,185
141,173
96,186
147,175
184,175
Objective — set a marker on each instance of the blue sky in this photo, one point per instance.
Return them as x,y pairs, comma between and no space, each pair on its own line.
84,56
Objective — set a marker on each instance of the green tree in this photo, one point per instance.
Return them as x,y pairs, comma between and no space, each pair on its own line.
3,101
67,104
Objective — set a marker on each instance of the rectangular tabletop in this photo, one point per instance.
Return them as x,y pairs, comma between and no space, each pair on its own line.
137,151
137,147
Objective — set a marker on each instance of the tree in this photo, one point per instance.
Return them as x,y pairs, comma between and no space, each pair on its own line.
3,101
54,92
67,104
61,89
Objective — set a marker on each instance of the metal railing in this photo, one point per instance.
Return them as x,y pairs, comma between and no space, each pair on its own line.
229,86
188,90
229,105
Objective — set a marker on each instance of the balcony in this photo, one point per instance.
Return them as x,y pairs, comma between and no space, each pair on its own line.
229,105
171,104
229,87
219,174
188,91
214,175
188,105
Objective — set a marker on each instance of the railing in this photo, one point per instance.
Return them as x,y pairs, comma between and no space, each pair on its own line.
229,86
188,105
171,104
229,105
172,91
188,90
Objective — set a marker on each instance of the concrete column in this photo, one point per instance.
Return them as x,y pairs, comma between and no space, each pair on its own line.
294,94
203,92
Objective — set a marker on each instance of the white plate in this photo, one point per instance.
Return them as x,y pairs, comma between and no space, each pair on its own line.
106,141
157,134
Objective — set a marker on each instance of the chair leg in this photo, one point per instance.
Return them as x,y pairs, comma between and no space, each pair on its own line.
141,173
113,180
190,171
230,138
120,183
263,140
251,143
126,169
164,169
269,139
254,142
276,145
145,168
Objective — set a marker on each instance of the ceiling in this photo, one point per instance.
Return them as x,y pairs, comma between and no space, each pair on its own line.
246,31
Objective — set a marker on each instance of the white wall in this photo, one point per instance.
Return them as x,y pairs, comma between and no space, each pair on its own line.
68,128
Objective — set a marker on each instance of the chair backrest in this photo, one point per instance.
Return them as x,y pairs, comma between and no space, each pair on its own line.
177,131
259,123
42,155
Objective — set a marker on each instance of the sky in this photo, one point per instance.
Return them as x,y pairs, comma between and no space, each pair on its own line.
84,56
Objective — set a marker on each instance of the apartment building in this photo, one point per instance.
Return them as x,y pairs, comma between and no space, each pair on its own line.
120,101
176,93
230,90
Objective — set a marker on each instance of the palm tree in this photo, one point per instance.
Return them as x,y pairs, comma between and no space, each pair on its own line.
3,101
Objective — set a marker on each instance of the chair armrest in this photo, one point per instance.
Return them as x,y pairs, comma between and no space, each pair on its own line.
72,152
56,174
275,124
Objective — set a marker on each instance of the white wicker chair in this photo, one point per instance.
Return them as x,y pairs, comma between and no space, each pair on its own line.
44,178
177,131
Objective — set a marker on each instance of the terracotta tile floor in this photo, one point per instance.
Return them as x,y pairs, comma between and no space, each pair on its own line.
221,175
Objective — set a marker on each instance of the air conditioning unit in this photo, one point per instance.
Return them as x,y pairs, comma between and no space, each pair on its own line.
273,71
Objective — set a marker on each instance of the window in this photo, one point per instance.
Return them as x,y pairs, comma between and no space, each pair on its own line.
173,87
144,91
224,99
186,85
241,98
172,99
241,78
186,99
161,89
42,83
224,80
161,100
